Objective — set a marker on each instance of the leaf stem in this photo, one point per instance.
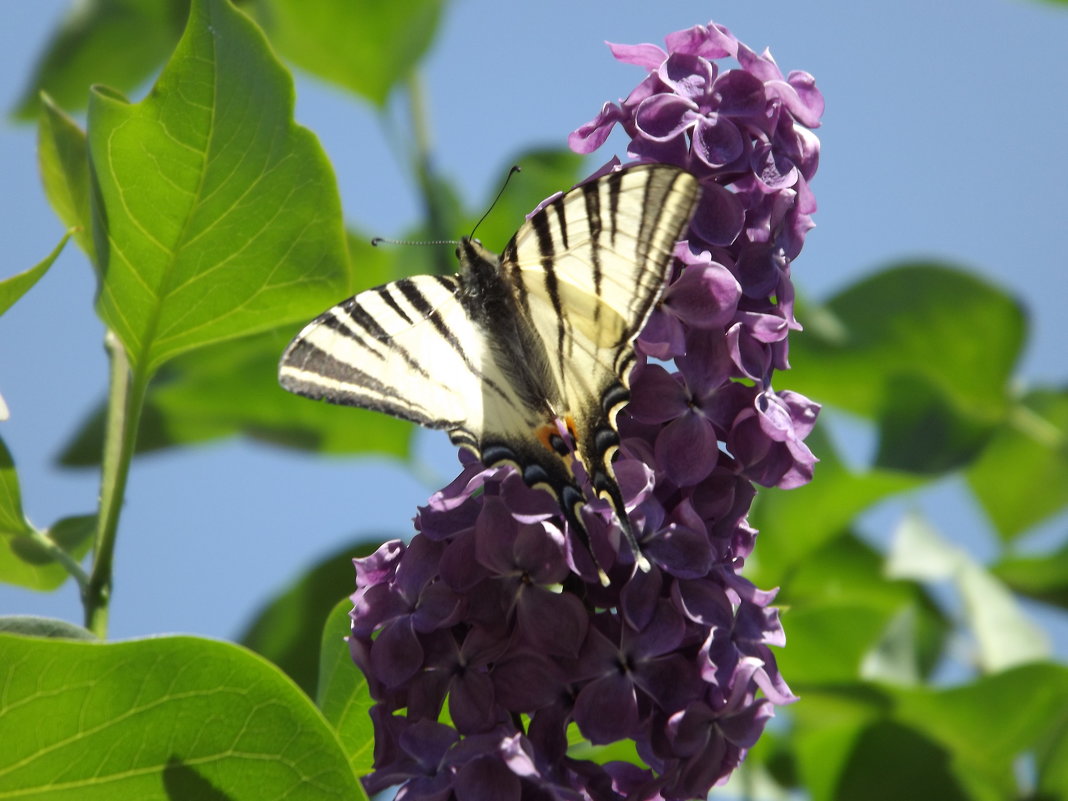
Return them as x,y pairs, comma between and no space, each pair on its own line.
44,541
126,395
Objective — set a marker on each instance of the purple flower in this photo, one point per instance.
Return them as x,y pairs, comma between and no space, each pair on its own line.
488,635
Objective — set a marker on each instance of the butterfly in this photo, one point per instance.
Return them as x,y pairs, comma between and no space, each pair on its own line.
523,358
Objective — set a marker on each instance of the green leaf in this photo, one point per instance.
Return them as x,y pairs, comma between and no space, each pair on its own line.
33,626
795,523
923,319
63,159
1003,633
115,42
288,629
1044,577
921,431
907,631
343,695
828,642
1022,477
12,519
13,288
217,216
1052,764
72,534
870,775
25,562
168,717
828,724
361,45
544,172
988,723
231,388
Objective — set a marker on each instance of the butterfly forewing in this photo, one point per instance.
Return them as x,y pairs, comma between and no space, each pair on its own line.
405,348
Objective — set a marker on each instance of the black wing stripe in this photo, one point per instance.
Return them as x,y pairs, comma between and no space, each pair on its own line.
614,185
547,250
386,293
592,203
420,303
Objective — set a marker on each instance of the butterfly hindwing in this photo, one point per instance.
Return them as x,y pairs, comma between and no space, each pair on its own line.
589,268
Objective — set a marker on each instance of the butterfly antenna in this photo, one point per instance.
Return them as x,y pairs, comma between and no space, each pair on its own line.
515,168
379,240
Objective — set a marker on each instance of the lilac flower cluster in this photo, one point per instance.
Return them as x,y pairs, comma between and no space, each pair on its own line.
488,643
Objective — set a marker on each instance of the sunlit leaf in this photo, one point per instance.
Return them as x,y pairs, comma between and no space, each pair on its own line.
12,519
847,573
119,43
362,45
950,327
795,523
167,717
13,288
989,722
63,159
218,216
343,695
1034,441
1004,635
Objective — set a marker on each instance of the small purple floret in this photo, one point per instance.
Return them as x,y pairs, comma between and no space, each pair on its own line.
489,635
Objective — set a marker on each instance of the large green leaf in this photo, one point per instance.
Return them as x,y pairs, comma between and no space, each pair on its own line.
828,595
367,46
231,388
1044,577
1034,442
343,695
921,430
63,159
989,723
862,741
288,629
13,288
923,319
1004,635
216,216
115,42
169,717
828,723
793,524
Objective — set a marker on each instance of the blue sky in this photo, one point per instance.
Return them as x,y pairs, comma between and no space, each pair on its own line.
944,136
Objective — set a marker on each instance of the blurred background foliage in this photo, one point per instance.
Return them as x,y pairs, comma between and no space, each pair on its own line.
921,671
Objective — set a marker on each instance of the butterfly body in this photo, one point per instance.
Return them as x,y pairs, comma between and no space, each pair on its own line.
512,349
